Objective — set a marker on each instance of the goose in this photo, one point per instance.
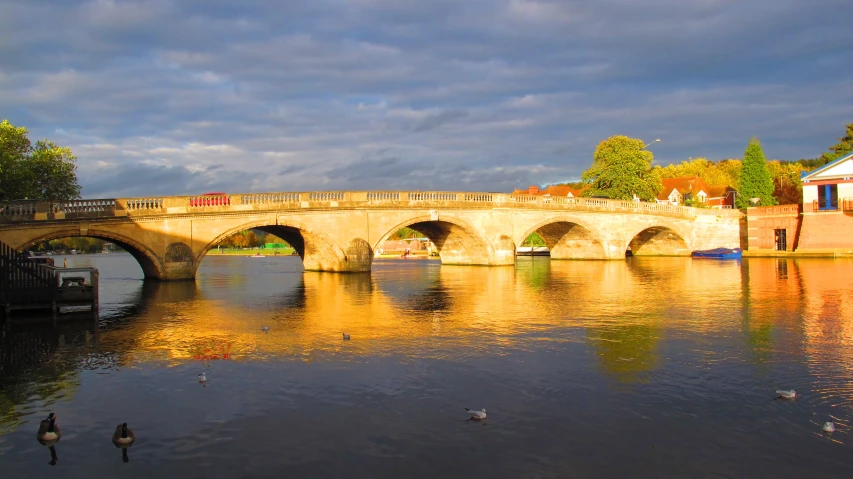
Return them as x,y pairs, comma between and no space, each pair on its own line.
202,378
791,394
123,438
477,415
829,427
346,337
48,433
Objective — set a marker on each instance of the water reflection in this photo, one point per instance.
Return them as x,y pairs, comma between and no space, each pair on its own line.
600,357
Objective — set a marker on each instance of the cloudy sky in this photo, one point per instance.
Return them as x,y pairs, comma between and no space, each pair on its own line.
167,97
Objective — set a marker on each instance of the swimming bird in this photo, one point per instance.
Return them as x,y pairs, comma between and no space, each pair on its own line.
265,329
786,394
123,438
346,337
829,427
202,378
48,433
477,415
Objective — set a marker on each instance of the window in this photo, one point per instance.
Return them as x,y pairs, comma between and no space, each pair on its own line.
781,239
827,197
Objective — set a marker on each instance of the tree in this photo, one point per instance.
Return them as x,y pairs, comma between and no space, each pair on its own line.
755,181
842,148
787,185
45,171
622,167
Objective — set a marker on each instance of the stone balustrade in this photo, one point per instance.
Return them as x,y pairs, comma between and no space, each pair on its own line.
22,211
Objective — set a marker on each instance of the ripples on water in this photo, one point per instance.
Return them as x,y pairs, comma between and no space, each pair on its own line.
659,367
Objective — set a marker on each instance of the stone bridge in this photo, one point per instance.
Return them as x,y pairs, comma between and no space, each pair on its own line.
339,231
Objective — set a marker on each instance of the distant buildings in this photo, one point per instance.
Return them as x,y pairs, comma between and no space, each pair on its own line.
676,191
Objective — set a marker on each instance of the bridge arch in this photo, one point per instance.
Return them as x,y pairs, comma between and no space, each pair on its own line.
150,263
568,238
658,240
456,240
317,251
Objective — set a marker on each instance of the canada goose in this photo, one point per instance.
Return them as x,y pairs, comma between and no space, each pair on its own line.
477,415
48,433
785,394
346,337
123,438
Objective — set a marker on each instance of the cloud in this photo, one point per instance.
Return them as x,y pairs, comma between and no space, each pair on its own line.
435,121
181,97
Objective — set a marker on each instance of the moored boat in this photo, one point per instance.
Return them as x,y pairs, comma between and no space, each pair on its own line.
719,253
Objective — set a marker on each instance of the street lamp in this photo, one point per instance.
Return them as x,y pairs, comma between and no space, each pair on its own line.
649,143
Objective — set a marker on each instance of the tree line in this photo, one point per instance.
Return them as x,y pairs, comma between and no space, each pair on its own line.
622,169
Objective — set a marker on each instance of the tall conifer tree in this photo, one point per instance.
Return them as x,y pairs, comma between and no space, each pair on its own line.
755,181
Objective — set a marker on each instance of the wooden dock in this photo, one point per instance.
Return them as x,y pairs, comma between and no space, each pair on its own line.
28,285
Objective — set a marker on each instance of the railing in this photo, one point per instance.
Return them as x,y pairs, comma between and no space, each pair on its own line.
778,210
822,206
326,196
269,198
23,281
383,195
25,211
144,204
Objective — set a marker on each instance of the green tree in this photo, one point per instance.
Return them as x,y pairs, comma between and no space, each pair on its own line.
45,171
622,167
755,180
842,148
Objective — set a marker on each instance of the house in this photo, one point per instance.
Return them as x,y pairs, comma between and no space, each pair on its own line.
550,190
676,191
827,222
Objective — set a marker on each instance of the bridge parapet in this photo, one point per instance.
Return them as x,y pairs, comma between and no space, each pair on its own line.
26,211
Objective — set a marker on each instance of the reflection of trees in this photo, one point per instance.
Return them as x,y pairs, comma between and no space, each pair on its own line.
627,351
535,271
36,362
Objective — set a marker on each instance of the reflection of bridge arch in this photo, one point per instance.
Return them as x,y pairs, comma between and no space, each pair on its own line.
318,251
455,240
148,261
658,241
568,238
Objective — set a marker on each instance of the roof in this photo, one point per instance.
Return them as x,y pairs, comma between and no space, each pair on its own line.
815,174
550,190
719,191
685,184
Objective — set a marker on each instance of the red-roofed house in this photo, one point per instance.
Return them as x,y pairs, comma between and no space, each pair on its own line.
678,190
551,190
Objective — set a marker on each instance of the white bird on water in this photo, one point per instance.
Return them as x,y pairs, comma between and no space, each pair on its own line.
786,394
477,414
265,329
202,378
829,427
346,337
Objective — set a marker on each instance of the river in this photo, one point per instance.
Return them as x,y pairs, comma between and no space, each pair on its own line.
649,367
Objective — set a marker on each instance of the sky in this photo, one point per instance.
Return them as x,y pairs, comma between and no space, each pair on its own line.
173,97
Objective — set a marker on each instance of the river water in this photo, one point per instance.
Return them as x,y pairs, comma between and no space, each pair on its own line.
651,367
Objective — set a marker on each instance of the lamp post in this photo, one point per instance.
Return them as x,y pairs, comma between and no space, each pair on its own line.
649,143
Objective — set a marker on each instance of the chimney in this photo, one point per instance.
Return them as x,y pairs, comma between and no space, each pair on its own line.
533,190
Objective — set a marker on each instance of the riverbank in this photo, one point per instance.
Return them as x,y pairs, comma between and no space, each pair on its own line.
829,253
252,252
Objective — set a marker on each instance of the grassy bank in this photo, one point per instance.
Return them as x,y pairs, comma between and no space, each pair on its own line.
252,252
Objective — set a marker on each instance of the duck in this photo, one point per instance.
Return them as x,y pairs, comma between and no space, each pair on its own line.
123,438
477,415
829,427
265,329
48,433
346,337
202,378
791,394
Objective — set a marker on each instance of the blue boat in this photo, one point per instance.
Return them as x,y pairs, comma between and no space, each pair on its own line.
719,253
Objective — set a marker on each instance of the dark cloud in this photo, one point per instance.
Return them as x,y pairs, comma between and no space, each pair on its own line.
195,95
434,121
